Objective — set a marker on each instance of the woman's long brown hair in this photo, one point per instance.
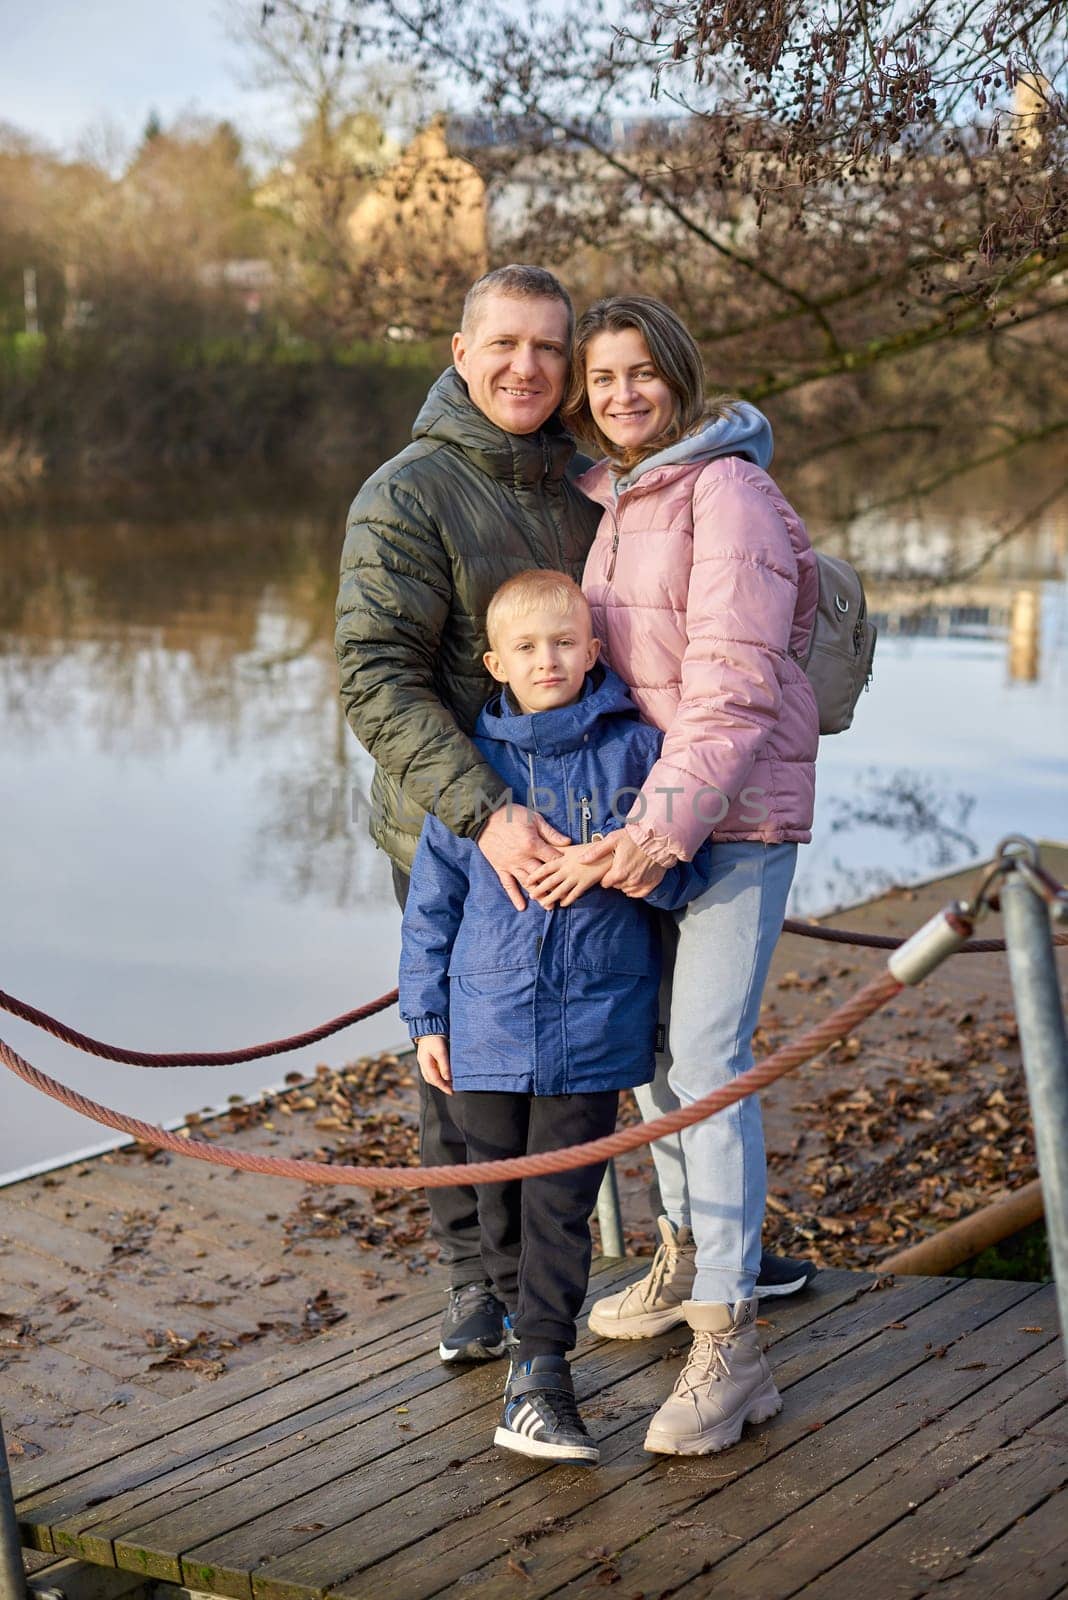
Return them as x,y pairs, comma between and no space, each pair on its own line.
674,355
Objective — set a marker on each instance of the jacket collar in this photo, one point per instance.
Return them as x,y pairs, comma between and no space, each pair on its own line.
599,484
551,733
742,431
522,460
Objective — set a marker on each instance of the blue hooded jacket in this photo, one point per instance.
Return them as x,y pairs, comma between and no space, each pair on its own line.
544,1002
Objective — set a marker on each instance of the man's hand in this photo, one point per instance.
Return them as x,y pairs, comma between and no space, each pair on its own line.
515,846
565,878
432,1054
632,871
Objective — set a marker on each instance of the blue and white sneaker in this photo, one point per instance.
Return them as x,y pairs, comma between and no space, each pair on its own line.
783,1275
475,1326
541,1417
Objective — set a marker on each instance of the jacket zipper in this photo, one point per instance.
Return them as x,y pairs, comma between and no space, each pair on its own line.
615,545
532,790
587,818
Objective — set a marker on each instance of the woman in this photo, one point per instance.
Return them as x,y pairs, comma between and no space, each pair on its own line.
703,588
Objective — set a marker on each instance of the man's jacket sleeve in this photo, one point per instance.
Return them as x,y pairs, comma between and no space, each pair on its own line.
393,602
431,921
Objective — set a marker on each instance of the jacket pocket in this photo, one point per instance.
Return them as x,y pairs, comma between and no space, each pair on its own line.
628,946
611,1027
491,1021
495,952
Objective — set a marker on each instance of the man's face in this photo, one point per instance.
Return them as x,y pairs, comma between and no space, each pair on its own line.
514,360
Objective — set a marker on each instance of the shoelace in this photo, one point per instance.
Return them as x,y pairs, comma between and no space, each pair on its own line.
476,1296
649,1288
707,1361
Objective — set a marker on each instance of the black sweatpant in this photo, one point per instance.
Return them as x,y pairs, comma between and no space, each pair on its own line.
536,1233
453,1212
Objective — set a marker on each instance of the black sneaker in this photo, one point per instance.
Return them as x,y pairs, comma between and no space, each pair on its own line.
783,1275
475,1325
540,1416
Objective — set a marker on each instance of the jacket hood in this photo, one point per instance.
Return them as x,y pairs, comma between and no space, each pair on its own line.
449,414
550,733
744,431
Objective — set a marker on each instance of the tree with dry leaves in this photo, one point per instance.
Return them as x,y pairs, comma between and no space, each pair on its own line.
860,210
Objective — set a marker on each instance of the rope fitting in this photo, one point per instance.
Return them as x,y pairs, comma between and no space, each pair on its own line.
945,934
1019,854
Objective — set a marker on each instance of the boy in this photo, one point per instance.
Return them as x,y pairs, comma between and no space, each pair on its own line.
537,1019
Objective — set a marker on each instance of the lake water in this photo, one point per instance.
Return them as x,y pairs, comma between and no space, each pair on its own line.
183,849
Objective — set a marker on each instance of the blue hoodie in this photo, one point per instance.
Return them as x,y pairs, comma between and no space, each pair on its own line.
544,1002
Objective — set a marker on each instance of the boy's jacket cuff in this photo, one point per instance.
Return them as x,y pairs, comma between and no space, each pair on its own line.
418,1026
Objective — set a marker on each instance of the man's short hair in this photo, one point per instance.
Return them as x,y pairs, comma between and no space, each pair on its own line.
529,591
522,283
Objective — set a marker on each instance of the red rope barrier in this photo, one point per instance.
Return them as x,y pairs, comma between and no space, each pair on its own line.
276,1047
190,1058
836,1025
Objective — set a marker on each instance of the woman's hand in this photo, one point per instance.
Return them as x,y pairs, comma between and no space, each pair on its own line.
432,1054
632,871
565,879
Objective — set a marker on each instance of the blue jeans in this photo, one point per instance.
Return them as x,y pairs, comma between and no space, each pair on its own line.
713,1176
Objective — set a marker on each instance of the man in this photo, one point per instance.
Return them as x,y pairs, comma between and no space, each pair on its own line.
483,492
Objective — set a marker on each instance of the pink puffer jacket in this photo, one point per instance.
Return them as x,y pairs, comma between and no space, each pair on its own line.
703,585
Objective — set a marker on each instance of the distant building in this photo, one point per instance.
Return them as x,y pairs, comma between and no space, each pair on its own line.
1030,110
251,277
428,206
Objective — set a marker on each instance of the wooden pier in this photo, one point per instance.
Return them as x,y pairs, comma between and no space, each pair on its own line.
922,1451
222,1382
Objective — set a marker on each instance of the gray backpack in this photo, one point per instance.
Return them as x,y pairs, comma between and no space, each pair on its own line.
839,659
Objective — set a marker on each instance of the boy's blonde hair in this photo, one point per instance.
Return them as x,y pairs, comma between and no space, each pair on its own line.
527,592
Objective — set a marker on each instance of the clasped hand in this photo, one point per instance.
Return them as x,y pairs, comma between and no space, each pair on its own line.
526,852
615,862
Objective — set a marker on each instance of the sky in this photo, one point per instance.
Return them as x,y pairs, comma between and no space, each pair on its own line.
66,66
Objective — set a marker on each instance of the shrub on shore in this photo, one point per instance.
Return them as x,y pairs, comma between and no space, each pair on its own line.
69,409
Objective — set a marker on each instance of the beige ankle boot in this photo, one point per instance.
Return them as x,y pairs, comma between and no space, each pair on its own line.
725,1383
655,1303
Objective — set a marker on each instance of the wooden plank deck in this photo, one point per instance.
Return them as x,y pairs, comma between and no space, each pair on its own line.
904,1462
923,1450
125,1281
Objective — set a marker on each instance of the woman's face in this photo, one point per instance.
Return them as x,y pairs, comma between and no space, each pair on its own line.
630,402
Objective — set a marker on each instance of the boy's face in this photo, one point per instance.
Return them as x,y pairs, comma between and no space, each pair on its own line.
544,656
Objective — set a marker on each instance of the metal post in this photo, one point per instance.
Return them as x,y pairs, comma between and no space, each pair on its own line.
608,1214
12,1577
1044,1047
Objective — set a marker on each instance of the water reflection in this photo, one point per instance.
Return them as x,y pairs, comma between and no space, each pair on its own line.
184,849
916,816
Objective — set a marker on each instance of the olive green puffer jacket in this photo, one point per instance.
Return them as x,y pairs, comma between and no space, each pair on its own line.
430,536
